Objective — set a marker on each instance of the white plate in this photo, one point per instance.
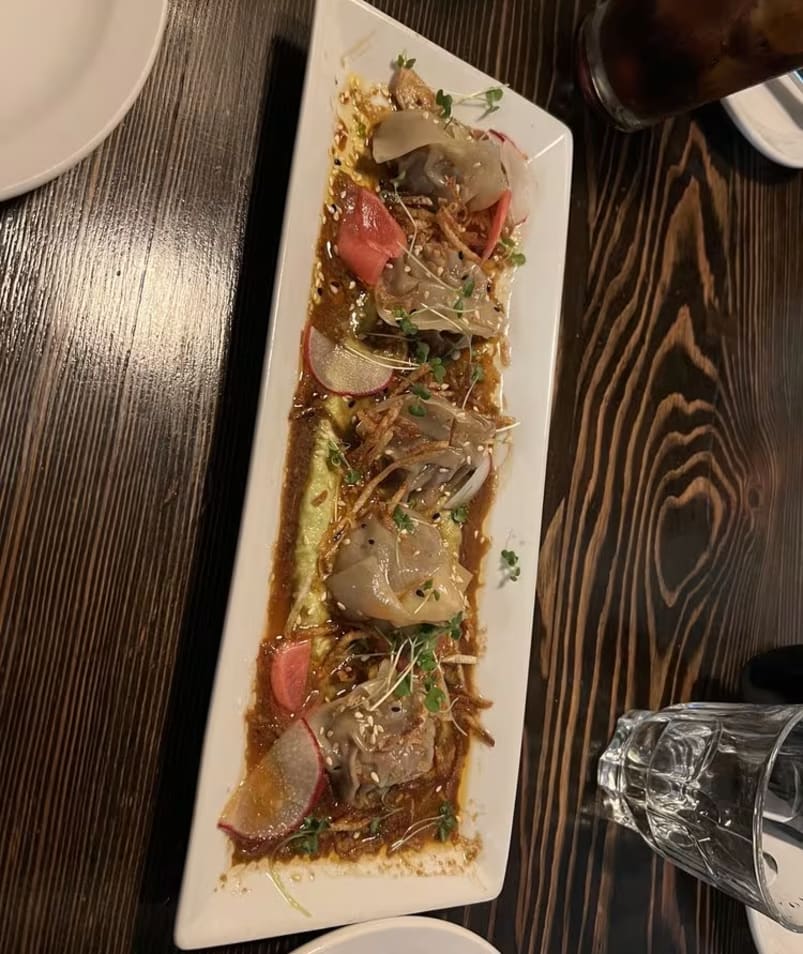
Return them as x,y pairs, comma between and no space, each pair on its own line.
771,938
770,116
400,936
69,72
349,35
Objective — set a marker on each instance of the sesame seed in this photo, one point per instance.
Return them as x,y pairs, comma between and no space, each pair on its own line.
358,714
374,777
439,788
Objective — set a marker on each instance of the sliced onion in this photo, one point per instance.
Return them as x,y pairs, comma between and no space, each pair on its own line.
472,486
341,370
518,177
404,131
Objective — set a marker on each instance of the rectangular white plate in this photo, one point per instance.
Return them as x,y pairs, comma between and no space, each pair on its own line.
349,36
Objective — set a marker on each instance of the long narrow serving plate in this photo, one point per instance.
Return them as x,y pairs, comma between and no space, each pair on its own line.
221,905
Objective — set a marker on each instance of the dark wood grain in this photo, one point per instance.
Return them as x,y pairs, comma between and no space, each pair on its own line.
134,294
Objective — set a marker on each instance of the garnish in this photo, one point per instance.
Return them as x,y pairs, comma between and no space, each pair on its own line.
402,61
427,660
404,322
510,564
447,821
444,100
337,459
376,822
422,349
468,288
455,629
405,686
438,369
307,838
512,252
460,514
402,520
420,391
476,375
417,409
492,97
434,697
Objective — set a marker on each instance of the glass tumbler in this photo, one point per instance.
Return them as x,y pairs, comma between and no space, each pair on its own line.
718,791
640,61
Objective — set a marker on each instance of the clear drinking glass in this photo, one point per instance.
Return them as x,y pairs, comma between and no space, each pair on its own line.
640,61
718,791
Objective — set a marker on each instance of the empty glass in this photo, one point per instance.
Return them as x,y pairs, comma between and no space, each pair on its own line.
718,791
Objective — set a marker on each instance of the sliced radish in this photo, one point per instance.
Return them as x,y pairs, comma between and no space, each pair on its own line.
503,137
342,371
518,177
289,673
368,236
514,162
280,791
497,224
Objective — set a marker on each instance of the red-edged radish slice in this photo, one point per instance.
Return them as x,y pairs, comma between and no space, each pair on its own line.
503,137
289,673
342,371
368,236
518,177
280,791
514,162
497,224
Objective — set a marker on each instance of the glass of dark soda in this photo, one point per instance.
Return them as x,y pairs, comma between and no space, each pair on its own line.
641,61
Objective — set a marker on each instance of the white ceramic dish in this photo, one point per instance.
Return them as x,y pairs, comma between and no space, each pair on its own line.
350,36
69,72
770,116
400,936
769,936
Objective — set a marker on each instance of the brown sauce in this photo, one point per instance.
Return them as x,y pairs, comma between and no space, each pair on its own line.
339,308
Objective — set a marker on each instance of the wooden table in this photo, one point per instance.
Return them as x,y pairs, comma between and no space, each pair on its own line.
134,295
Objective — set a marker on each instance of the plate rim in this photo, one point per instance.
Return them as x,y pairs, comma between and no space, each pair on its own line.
195,926
757,135
56,167
435,926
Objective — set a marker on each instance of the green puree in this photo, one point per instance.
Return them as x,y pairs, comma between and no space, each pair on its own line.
310,597
313,521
